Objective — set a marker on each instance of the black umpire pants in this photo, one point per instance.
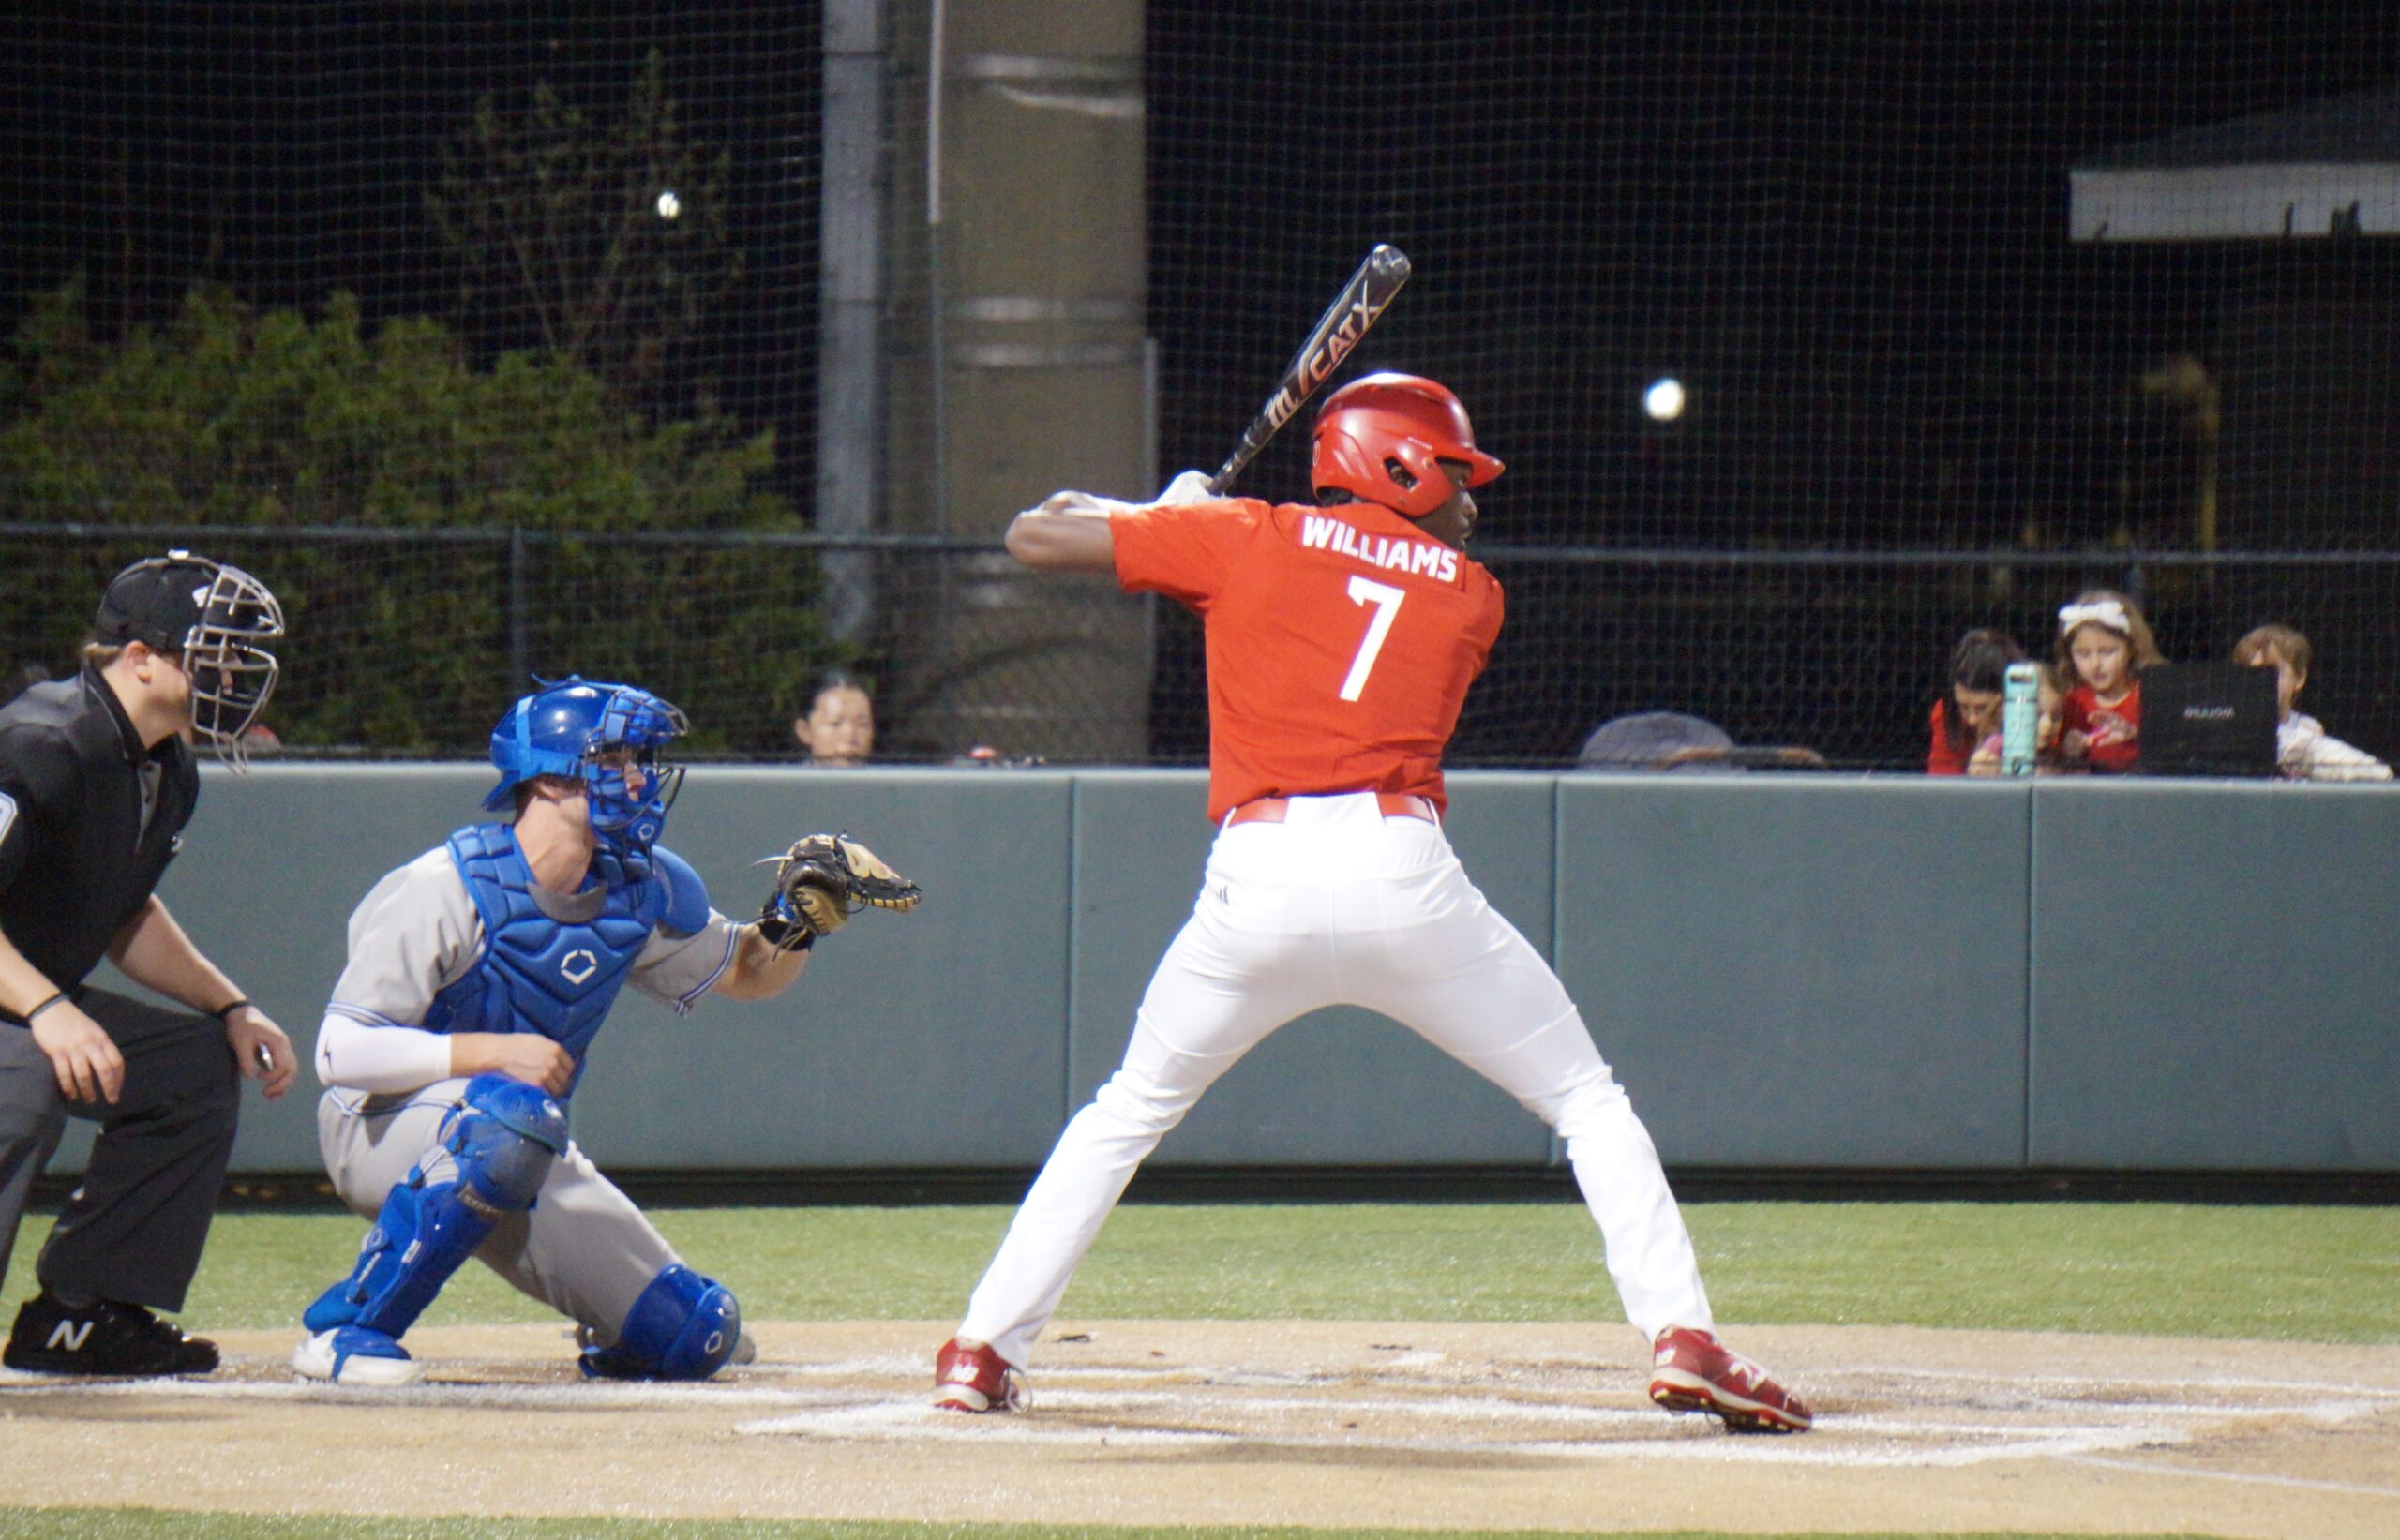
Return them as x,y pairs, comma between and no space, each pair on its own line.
132,1232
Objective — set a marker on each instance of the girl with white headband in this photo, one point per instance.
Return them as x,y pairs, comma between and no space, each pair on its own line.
2103,644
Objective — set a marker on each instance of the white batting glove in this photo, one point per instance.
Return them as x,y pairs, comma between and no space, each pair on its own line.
1188,487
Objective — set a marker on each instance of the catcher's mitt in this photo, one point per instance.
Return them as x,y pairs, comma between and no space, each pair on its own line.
821,882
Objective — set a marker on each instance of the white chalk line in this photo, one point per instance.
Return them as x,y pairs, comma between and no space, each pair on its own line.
467,1394
2064,1431
2298,1387
2255,1478
1697,1440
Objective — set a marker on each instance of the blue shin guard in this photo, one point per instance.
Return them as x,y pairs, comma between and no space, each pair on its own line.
498,1145
684,1326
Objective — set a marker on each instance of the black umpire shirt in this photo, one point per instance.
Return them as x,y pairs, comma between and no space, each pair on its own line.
88,820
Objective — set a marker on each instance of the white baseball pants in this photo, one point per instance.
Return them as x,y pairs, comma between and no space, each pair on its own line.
1341,906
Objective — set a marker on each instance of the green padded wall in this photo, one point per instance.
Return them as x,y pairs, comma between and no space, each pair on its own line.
1798,972
2216,977
1788,972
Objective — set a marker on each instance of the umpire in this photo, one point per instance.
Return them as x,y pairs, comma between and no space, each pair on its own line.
97,781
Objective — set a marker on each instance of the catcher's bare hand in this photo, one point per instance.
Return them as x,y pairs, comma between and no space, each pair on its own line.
821,881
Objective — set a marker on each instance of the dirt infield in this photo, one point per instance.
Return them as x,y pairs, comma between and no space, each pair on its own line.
1271,1422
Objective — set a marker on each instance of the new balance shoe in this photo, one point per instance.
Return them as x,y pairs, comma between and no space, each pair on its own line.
969,1377
1695,1372
103,1338
354,1355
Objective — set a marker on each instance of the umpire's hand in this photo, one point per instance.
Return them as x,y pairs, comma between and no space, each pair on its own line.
261,1049
82,1056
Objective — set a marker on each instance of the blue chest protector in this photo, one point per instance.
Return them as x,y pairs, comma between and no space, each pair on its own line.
556,976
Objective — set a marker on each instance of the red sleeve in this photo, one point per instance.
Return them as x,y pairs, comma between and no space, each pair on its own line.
1495,610
1941,758
1183,551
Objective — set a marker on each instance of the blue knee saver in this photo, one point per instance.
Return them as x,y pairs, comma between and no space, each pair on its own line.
503,1139
684,1326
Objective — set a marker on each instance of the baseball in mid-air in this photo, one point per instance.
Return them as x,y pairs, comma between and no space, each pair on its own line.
1664,400
669,205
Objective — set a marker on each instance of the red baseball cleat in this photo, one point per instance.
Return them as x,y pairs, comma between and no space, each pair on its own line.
1695,1372
969,1377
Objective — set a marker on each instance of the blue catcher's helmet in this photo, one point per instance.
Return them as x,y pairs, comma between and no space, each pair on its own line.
569,728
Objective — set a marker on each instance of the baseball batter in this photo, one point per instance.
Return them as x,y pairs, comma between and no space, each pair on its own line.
478,975
1340,641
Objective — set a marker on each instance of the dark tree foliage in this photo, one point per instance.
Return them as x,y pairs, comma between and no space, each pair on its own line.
256,423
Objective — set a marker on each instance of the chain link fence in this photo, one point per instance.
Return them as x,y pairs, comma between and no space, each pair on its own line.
410,643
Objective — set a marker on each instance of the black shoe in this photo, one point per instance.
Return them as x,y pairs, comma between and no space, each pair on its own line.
103,1338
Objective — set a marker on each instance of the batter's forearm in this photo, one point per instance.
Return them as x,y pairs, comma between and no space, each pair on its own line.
1069,533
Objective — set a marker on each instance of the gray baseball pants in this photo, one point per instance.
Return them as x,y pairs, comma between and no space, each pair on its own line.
583,1249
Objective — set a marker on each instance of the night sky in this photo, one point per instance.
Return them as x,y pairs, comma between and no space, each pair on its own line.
1841,224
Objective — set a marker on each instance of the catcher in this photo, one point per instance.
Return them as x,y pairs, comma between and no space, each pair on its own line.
478,975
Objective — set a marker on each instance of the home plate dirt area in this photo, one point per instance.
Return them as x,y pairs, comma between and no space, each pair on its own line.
1278,1422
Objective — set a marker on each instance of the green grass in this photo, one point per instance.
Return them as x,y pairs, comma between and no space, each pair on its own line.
2323,1274
145,1524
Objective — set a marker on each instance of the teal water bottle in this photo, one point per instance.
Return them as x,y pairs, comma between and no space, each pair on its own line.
2021,708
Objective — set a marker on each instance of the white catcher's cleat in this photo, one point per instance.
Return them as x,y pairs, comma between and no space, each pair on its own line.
353,1356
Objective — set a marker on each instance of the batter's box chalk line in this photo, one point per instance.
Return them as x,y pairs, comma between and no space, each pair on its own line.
1953,1417
2059,1418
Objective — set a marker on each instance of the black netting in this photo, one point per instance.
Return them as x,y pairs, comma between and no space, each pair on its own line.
1843,226
407,283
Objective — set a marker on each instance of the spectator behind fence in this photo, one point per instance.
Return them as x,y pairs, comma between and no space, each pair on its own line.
1970,712
1670,741
2104,645
2050,696
2303,750
838,732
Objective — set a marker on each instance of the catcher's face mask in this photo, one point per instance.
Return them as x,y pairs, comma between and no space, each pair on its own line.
631,783
609,737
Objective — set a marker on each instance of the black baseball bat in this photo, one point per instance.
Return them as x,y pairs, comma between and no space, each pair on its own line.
1363,299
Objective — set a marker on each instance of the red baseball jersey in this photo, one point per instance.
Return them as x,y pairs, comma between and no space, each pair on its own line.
1340,641
2083,713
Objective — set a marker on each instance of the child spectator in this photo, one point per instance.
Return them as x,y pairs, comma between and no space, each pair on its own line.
838,732
2303,752
1978,670
2104,645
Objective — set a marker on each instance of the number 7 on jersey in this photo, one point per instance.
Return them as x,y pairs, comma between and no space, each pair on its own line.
1366,590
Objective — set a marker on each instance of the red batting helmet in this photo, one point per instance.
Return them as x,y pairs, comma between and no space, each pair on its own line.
1382,437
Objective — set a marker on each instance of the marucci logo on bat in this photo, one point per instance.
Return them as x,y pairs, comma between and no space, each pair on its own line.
1323,361
1367,295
